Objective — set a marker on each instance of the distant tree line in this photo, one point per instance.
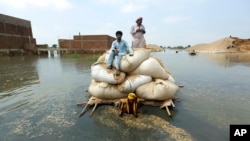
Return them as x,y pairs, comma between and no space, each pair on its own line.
175,47
54,45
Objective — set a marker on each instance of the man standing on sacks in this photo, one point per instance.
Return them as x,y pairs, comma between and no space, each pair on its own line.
118,49
137,32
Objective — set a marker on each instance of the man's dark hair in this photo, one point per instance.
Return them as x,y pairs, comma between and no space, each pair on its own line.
118,32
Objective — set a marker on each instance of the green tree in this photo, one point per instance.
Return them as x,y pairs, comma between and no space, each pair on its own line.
54,45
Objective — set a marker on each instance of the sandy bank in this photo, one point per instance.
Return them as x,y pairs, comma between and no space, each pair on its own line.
225,45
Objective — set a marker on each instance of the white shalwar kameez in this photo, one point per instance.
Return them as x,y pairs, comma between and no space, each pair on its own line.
138,37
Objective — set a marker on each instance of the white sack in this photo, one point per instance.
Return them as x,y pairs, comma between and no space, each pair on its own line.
153,68
131,82
99,72
101,59
129,63
157,90
105,91
170,76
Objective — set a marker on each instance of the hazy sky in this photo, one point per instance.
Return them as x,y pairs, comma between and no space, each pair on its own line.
167,22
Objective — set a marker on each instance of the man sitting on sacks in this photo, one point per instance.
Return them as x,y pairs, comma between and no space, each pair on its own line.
118,49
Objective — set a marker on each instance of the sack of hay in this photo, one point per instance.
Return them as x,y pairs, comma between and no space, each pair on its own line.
153,68
105,91
157,90
99,72
129,63
133,81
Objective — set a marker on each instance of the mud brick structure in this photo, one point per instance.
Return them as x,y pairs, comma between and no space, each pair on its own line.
15,33
87,44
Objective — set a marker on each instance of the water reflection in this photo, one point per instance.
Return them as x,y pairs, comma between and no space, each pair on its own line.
17,72
218,94
42,105
230,59
53,53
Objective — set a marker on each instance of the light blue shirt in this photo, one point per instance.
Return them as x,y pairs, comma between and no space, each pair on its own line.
122,47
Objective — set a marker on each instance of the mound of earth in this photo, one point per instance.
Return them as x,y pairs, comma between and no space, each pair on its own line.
153,48
231,44
242,44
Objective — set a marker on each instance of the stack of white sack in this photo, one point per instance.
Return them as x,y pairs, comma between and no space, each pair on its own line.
157,90
101,74
105,90
142,74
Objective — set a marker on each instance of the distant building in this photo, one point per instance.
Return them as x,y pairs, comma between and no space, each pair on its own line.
15,33
88,44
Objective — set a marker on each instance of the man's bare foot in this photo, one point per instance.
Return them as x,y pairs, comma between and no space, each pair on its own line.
109,67
117,72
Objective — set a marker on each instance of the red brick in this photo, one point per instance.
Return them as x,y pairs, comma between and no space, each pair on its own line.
16,32
3,42
89,44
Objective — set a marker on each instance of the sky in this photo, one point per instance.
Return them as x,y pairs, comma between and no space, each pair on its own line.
167,22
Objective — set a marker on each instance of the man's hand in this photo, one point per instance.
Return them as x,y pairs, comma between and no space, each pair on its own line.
140,30
116,52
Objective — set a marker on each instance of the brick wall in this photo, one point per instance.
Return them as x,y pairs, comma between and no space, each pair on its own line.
42,46
15,32
3,42
89,44
65,43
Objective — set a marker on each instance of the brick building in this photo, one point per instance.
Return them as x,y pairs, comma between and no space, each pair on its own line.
89,44
15,33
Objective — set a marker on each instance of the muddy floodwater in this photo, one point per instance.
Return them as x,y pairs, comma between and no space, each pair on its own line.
38,97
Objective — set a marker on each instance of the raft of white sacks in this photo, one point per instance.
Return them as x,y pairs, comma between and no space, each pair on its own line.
141,74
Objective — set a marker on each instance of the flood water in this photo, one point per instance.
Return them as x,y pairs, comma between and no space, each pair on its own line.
38,97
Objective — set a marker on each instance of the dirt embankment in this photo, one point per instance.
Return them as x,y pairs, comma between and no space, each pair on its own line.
154,48
229,44
242,44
